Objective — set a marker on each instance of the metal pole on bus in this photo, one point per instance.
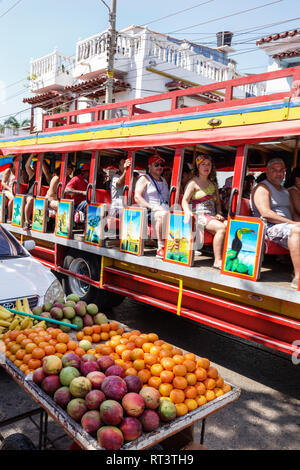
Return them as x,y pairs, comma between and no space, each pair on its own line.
111,50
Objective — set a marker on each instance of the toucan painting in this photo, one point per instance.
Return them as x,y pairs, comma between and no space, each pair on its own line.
232,260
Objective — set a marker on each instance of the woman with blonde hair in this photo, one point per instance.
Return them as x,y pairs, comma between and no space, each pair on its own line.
201,196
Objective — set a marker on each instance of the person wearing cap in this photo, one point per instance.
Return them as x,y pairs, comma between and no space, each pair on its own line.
152,192
270,200
201,196
30,168
225,194
117,187
76,188
294,191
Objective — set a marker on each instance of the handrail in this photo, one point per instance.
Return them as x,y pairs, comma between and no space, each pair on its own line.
234,191
173,96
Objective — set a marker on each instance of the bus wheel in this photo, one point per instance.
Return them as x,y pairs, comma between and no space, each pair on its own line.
86,265
17,441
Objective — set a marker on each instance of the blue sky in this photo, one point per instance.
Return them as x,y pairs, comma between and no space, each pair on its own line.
33,28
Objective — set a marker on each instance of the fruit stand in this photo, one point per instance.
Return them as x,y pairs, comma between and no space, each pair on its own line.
110,387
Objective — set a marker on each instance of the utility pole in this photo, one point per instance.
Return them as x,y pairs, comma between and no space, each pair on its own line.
111,50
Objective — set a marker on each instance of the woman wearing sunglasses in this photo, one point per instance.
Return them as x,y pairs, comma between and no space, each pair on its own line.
152,192
201,196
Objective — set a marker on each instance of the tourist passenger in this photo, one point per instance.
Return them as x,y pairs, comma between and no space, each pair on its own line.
201,196
117,188
152,192
271,201
225,194
167,174
8,179
76,190
248,186
51,194
186,176
294,191
30,168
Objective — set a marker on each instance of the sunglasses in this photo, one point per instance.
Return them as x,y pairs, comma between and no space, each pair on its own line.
159,164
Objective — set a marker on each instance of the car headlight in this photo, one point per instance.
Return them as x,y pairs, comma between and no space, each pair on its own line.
54,292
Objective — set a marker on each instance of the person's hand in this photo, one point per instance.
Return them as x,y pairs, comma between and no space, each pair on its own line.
127,163
219,217
187,216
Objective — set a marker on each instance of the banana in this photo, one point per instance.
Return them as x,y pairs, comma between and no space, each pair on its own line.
14,324
4,323
26,308
5,316
41,323
25,323
19,306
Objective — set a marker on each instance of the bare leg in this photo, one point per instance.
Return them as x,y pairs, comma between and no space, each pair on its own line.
294,247
160,218
28,209
218,229
10,198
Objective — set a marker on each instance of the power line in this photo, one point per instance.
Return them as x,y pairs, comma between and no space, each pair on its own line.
177,13
13,6
226,16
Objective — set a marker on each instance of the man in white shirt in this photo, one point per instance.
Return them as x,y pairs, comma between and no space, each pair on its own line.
152,192
116,188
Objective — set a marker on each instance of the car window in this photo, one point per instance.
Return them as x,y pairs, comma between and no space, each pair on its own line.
9,247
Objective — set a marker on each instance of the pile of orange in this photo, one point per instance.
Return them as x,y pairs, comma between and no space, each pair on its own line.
97,333
27,348
180,377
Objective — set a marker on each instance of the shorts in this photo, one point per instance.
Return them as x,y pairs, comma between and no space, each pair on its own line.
279,233
204,219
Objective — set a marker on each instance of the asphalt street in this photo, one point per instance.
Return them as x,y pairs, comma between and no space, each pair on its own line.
265,417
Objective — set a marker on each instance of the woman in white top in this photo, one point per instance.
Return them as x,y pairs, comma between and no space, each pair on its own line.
8,179
152,192
294,191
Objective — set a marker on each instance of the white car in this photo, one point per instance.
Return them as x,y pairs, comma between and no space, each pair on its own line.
23,276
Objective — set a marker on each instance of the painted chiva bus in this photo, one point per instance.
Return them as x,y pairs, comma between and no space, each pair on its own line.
241,135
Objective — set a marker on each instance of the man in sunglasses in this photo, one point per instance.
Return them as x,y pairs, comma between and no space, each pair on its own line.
152,192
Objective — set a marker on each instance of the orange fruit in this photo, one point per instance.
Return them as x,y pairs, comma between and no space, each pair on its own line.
38,353
177,352
154,381
179,370
191,378
104,336
52,342
167,363
20,354
152,337
226,388
166,376
126,355
190,391
200,387
107,350
72,345
23,367
49,350
166,347
126,364
131,371
13,334
165,389
79,335
180,382
55,332
60,355
156,369
150,359
114,325
61,348
96,338
218,392
12,357
24,342
181,409
165,353
190,365
20,338
189,356
63,338
200,373
96,329
203,362
88,330
26,358
191,403
79,351
201,400
155,350
34,364
212,372
112,333
135,332
209,384
140,341
30,347
130,345
14,348
86,338
144,375
177,395
132,338
178,358
219,381
159,342
105,328
139,364
120,348
137,353
210,395
146,347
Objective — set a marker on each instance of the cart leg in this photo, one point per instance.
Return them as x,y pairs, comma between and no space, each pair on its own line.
202,431
43,429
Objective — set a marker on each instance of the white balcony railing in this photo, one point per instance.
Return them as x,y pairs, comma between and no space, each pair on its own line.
54,68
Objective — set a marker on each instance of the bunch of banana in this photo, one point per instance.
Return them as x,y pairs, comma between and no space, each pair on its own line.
10,321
